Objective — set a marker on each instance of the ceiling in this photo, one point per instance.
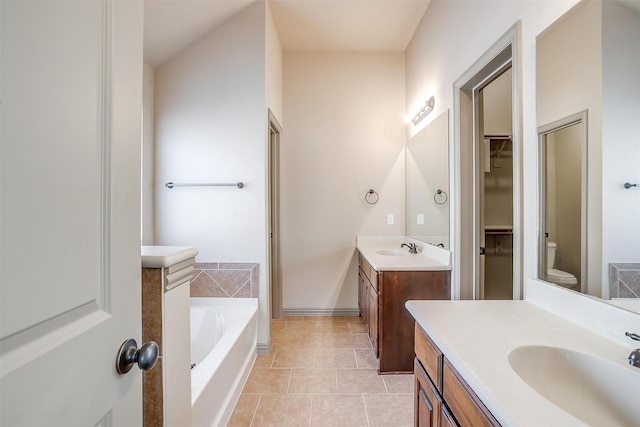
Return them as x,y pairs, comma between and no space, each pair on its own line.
302,25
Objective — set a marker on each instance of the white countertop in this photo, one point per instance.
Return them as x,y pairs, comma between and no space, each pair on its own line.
165,256
428,258
477,336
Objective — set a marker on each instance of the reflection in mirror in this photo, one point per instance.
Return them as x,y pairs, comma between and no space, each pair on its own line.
587,60
428,183
563,196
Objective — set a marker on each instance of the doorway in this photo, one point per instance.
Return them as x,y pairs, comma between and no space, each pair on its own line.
275,269
469,244
563,201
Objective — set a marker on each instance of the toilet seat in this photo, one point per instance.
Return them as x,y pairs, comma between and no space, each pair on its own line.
561,277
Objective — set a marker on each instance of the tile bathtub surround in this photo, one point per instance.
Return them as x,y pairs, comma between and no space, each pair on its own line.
624,280
225,280
321,371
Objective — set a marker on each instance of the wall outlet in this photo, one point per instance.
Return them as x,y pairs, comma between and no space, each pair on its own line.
390,219
420,219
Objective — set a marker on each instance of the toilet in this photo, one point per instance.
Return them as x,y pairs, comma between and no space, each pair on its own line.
559,277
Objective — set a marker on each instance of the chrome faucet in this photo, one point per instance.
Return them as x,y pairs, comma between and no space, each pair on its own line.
413,248
634,357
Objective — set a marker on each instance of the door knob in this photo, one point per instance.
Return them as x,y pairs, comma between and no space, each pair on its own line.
128,355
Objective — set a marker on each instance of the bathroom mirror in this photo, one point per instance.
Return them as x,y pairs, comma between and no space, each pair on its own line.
563,196
587,61
427,175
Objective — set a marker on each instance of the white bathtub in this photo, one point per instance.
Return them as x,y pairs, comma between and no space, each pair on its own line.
223,348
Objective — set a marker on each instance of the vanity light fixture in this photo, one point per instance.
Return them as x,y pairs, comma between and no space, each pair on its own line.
426,108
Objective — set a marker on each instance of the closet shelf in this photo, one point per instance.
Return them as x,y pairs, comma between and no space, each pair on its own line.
498,229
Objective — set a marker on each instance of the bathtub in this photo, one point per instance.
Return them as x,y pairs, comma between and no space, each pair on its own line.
223,349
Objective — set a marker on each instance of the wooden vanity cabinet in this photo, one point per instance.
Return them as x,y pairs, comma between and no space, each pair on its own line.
441,389
382,298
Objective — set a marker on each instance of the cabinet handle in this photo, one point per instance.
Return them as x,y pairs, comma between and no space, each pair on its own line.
424,397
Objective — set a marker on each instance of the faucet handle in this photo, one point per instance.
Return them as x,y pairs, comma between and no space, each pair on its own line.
633,336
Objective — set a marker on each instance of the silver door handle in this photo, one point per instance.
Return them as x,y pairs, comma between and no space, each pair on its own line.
128,355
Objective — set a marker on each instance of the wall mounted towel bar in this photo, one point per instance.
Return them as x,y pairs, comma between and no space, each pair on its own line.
628,185
204,184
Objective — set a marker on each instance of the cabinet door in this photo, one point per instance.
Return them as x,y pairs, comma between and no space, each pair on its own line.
446,419
373,318
363,296
427,401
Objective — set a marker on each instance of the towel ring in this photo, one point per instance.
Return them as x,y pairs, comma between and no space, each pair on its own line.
440,197
372,197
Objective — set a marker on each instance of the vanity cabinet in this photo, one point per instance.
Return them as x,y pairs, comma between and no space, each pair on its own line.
442,397
382,298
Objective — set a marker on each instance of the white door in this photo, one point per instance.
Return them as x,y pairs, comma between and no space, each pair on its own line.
70,96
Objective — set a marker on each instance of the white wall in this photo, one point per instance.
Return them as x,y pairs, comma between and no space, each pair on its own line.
273,67
147,155
450,38
344,135
211,127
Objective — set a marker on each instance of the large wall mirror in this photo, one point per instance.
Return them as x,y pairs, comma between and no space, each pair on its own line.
428,183
587,90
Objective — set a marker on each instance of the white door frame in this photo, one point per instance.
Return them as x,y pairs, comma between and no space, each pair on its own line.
503,54
275,262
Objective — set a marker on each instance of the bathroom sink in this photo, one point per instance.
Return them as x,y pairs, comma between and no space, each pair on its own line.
591,389
392,252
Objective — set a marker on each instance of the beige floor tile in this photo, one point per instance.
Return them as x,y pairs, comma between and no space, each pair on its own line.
389,410
313,381
280,410
338,410
360,381
351,341
264,360
316,318
279,341
345,318
316,341
292,357
399,383
266,380
365,359
289,319
335,358
357,327
334,327
244,410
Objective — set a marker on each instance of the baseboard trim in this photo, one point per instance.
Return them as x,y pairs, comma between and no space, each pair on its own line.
320,312
263,348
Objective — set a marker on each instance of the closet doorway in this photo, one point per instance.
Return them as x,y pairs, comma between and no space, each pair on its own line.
487,208
275,268
495,189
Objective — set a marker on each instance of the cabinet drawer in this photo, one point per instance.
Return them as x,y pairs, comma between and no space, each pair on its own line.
430,356
466,407
369,271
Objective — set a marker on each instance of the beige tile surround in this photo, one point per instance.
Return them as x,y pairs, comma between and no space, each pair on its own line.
225,280
321,371
624,280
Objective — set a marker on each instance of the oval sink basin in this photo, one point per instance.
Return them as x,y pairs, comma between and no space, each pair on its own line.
392,252
594,390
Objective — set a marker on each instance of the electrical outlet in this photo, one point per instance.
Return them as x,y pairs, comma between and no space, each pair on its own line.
420,219
390,219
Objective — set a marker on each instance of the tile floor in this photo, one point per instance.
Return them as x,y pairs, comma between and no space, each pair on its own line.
321,371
